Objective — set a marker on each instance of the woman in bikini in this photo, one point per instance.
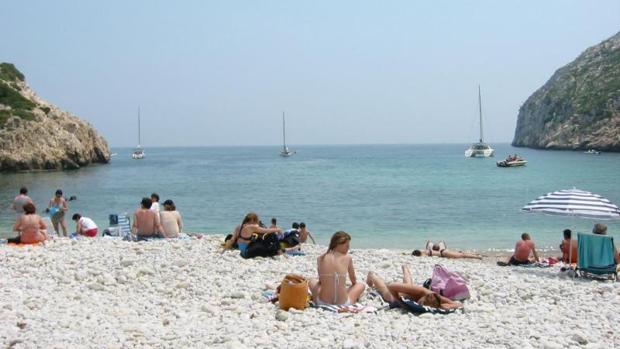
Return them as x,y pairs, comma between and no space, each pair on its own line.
440,250
243,233
395,292
333,267
31,227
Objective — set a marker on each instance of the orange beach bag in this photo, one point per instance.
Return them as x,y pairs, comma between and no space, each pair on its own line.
293,292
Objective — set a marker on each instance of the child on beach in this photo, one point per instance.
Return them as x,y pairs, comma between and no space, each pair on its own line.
155,202
568,247
57,208
333,267
440,250
395,292
84,226
304,233
30,226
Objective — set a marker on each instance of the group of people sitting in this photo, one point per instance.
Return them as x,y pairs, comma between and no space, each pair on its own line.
148,221
525,249
253,238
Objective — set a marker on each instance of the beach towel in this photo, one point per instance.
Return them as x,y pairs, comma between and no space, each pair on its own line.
415,308
353,308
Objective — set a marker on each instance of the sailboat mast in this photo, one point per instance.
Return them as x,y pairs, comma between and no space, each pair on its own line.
284,131
480,112
139,135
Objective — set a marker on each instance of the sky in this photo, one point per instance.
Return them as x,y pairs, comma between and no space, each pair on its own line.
220,73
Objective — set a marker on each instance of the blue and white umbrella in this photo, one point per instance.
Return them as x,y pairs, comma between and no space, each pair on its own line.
574,202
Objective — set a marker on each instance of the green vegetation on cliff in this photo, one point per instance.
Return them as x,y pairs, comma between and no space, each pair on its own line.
10,97
579,107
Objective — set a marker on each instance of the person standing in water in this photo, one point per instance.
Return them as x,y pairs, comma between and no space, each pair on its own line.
57,208
19,202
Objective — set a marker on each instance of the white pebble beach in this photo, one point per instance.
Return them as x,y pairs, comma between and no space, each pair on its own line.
106,293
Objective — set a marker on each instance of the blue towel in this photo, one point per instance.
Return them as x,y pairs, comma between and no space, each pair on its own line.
596,253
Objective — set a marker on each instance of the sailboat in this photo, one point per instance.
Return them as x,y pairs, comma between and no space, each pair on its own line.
480,149
138,153
286,152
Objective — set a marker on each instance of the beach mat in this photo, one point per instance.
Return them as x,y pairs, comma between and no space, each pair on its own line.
353,308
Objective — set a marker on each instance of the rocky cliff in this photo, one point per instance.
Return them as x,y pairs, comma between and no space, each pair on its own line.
579,107
36,135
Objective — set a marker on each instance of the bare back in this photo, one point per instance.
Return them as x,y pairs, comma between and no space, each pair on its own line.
333,268
146,222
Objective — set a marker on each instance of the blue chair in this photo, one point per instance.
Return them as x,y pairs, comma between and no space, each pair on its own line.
120,226
597,256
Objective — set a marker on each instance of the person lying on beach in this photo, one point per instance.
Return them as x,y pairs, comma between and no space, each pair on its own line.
395,292
440,250
523,248
84,225
333,266
568,247
146,222
242,235
170,220
30,226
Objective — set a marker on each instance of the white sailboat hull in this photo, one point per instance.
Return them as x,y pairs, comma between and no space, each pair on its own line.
479,151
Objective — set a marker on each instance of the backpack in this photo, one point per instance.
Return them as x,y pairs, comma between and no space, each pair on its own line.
266,245
448,284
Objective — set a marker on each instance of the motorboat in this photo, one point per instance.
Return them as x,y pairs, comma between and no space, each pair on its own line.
512,161
592,151
480,149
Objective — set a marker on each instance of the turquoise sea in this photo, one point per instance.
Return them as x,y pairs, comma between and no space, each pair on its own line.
392,196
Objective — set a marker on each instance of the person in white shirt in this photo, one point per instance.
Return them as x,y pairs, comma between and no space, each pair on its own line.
84,225
155,200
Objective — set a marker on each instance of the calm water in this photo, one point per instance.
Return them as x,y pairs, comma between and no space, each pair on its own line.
385,195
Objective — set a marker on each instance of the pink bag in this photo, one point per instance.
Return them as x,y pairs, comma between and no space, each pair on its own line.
449,284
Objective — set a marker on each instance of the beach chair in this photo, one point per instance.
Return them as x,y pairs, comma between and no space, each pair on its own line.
120,226
596,256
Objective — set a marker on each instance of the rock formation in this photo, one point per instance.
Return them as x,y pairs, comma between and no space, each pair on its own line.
36,135
579,107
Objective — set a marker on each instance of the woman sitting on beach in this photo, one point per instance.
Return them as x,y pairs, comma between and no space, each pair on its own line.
440,250
170,220
31,227
242,235
395,292
333,267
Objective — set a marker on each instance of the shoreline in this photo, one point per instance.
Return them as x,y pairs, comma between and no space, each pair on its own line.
187,293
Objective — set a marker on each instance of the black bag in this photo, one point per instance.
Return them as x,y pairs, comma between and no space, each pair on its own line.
263,246
292,239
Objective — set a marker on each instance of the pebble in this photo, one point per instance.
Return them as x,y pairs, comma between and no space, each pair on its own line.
188,294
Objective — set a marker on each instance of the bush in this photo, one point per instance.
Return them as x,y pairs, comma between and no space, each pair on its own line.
8,72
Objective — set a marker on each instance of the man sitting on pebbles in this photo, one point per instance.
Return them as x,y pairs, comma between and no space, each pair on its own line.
523,248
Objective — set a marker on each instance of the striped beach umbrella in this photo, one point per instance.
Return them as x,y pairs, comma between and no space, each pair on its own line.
574,202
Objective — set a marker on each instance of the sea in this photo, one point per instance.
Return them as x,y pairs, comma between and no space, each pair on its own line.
385,196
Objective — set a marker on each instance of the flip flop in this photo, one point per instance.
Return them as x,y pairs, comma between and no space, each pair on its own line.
502,264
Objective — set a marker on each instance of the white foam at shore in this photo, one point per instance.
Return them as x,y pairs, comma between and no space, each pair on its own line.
185,293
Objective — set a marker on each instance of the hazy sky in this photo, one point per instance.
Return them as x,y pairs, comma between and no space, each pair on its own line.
221,73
